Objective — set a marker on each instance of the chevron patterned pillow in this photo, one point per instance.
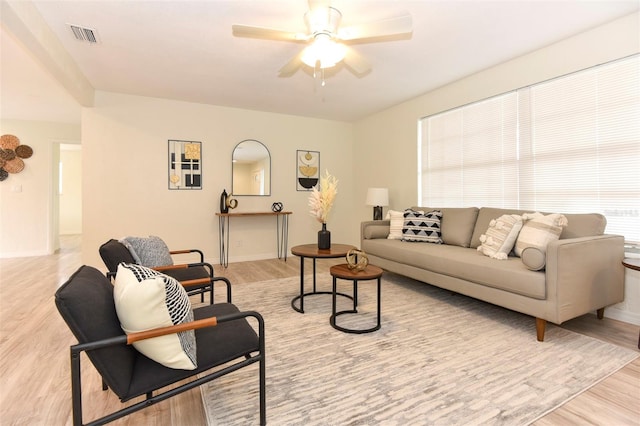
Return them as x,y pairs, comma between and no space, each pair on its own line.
422,227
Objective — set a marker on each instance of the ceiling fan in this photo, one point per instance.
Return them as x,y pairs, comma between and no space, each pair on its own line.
326,41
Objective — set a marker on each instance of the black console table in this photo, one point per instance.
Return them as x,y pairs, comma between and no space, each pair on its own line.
282,232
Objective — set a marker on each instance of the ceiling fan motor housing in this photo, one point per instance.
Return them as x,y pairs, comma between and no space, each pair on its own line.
323,20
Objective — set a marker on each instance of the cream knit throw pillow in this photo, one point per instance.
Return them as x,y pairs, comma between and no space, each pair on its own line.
500,237
539,230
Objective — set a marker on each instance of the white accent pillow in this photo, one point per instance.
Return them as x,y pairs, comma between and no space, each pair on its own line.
146,299
396,219
539,230
500,237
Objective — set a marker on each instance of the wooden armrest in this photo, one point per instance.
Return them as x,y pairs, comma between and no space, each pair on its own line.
163,331
197,281
187,251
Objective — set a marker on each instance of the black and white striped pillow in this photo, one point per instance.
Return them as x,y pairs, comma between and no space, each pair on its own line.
422,227
146,299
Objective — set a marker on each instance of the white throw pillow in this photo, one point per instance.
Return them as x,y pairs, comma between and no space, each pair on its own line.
396,219
539,230
146,299
500,237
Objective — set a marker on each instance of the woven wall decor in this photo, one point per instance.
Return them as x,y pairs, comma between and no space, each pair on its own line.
9,142
12,154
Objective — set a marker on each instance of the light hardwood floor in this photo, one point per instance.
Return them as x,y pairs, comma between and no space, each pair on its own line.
34,364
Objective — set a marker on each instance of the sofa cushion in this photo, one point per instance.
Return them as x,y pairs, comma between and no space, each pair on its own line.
584,225
457,224
539,230
376,231
500,237
422,227
534,258
146,299
463,263
485,216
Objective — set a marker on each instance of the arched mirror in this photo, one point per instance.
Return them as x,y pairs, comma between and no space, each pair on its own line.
251,169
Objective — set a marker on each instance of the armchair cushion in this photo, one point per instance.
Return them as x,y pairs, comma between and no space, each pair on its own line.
113,253
149,251
146,299
85,302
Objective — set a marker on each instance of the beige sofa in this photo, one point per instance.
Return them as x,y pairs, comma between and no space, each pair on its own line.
583,271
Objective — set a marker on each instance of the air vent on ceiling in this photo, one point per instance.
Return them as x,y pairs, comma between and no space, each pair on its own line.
84,34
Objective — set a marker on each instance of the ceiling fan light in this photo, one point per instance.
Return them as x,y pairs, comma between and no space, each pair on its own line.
325,51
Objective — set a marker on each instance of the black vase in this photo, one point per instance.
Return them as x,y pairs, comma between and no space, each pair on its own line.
324,238
223,202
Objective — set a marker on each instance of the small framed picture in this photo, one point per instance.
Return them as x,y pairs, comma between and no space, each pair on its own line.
185,164
308,169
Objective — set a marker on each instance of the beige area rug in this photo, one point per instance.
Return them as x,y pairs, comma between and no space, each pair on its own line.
439,359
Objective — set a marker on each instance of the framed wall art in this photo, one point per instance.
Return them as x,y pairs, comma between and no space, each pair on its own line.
307,170
185,164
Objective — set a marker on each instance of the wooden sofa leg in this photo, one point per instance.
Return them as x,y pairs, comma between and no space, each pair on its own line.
600,313
540,326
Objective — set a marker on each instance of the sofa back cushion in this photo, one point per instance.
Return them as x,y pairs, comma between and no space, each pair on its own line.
580,224
584,225
457,224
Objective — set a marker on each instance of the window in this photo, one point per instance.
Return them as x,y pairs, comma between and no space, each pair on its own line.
571,145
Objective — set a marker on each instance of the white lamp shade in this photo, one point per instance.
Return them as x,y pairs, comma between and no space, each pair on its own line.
377,197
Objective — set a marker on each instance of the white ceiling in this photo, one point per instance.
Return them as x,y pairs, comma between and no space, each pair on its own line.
184,50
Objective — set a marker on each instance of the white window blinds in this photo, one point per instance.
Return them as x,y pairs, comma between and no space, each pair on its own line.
568,145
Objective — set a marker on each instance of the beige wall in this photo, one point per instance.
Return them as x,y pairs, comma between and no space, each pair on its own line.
27,203
125,175
70,200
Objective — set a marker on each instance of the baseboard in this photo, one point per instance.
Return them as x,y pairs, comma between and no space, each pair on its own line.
11,255
622,315
248,258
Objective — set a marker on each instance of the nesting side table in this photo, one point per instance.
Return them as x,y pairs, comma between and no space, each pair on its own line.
343,272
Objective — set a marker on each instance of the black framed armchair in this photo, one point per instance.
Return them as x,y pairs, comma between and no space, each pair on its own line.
197,277
225,339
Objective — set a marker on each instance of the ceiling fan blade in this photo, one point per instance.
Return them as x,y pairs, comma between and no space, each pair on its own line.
385,27
266,33
291,67
356,62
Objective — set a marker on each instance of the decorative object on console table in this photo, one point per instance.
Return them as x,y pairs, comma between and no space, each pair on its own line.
377,197
276,207
223,202
231,202
321,201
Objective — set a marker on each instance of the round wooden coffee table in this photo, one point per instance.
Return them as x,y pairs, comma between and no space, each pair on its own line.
343,272
311,251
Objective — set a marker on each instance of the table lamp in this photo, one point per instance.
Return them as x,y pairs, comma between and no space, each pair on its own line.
377,197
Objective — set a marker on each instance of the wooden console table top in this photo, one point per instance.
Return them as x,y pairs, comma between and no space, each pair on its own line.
253,214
